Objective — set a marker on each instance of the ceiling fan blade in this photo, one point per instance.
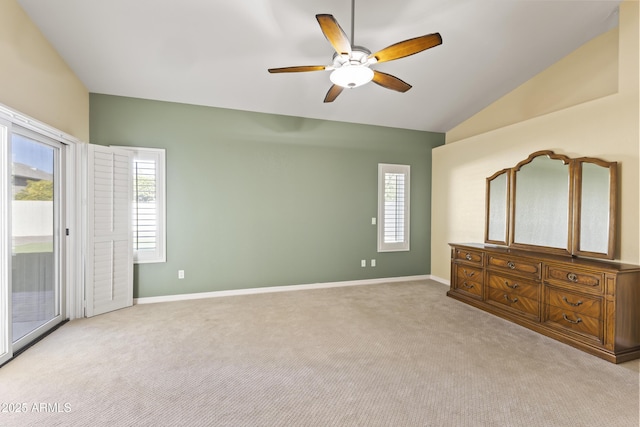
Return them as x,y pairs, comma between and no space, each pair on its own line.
334,33
390,82
333,93
407,47
297,69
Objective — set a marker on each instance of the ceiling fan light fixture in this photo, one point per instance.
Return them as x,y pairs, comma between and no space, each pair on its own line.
350,76
351,64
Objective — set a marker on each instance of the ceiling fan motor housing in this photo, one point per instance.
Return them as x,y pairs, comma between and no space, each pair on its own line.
352,70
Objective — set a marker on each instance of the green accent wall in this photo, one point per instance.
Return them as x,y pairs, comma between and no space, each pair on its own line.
256,200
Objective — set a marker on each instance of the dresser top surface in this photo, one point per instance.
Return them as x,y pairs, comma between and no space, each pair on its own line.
545,257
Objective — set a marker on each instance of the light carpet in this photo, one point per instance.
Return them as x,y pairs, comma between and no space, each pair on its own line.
400,354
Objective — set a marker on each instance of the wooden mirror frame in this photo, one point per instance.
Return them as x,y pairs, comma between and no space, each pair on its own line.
507,210
612,211
566,161
574,207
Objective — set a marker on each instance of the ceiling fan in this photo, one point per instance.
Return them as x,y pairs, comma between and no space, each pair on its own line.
351,65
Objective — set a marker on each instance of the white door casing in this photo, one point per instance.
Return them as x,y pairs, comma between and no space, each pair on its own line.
109,255
6,351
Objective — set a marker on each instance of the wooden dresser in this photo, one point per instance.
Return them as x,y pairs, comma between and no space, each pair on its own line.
589,304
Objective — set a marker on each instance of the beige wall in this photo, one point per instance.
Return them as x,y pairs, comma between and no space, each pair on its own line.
562,85
35,80
585,120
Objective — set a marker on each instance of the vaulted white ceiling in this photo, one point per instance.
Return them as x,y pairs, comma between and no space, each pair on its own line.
217,52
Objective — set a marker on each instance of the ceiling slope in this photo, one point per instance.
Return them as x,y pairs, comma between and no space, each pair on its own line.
216,52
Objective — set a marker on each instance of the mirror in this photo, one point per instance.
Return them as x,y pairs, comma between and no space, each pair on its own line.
596,198
497,208
552,203
541,197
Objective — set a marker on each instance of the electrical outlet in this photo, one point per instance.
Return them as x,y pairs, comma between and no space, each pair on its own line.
373,221
373,263
363,263
180,274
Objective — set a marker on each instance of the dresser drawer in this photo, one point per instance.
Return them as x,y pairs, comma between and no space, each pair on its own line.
469,280
579,303
529,306
575,278
469,256
574,321
513,286
517,266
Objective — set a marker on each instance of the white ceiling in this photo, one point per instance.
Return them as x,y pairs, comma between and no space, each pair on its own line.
216,52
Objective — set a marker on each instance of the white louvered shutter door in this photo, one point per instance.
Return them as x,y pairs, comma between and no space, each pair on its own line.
109,266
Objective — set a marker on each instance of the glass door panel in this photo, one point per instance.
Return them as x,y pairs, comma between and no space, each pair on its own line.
35,236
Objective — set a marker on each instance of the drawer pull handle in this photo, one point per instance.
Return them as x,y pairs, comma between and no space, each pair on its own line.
467,273
511,265
515,300
575,322
467,286
575,304
514,286
572,277
468,256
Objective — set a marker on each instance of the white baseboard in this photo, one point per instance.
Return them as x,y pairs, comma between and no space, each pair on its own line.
250,291
440,279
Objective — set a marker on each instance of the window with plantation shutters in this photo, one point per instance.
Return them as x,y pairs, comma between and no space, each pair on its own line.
145,218
148,204
393,207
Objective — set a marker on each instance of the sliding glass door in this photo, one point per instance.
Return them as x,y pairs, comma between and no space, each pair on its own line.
37,300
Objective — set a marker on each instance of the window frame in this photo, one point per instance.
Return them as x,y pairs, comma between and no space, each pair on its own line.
158,156
383,169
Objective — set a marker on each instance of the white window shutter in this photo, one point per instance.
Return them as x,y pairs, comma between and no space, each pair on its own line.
109,264
149,204
393,207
